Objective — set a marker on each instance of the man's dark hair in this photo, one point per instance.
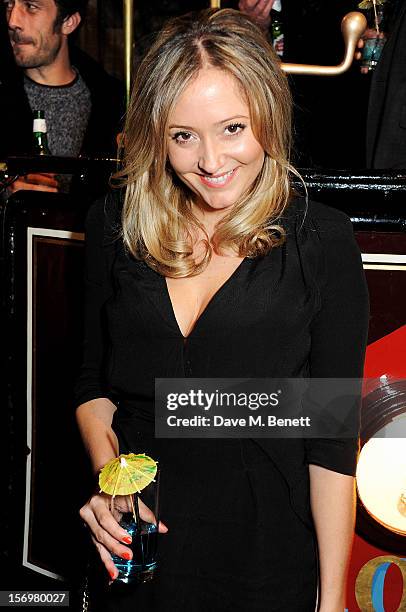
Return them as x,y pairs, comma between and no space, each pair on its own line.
66,8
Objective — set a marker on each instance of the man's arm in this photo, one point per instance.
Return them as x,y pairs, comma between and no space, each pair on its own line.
34,182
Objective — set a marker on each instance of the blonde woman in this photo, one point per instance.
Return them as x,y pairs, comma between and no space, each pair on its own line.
207,266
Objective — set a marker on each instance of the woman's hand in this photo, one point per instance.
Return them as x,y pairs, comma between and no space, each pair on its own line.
369,33
106,533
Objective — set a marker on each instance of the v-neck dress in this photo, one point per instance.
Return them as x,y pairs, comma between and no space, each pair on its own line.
241,536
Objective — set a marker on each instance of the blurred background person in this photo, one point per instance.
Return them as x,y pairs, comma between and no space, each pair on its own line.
83,105
386,124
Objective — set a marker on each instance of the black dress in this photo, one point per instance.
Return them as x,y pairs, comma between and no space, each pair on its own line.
241,536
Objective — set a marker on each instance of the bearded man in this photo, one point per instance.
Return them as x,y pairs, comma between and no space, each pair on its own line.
83,105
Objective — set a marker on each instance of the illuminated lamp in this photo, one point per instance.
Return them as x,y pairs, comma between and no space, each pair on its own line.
381,471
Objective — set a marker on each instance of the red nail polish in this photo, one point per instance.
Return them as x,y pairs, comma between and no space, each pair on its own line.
112,574
126,555
127,539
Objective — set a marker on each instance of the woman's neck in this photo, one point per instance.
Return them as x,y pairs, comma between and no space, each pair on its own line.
208,216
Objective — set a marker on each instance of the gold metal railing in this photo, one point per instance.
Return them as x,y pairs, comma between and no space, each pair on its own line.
353,26
128,14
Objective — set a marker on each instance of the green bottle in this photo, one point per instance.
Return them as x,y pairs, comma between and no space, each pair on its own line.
40,146
277,27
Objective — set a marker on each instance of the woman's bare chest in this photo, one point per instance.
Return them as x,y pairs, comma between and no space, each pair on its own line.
191,296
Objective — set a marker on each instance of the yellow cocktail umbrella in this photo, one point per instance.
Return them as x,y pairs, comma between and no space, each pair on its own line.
128,474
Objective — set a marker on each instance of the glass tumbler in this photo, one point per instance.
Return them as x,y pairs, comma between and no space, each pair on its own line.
141,522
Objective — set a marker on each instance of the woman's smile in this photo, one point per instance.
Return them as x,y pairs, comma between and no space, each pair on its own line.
220,180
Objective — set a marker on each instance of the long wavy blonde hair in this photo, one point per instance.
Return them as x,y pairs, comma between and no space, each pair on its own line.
157,219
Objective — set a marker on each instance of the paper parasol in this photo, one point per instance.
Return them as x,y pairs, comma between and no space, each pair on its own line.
127,474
